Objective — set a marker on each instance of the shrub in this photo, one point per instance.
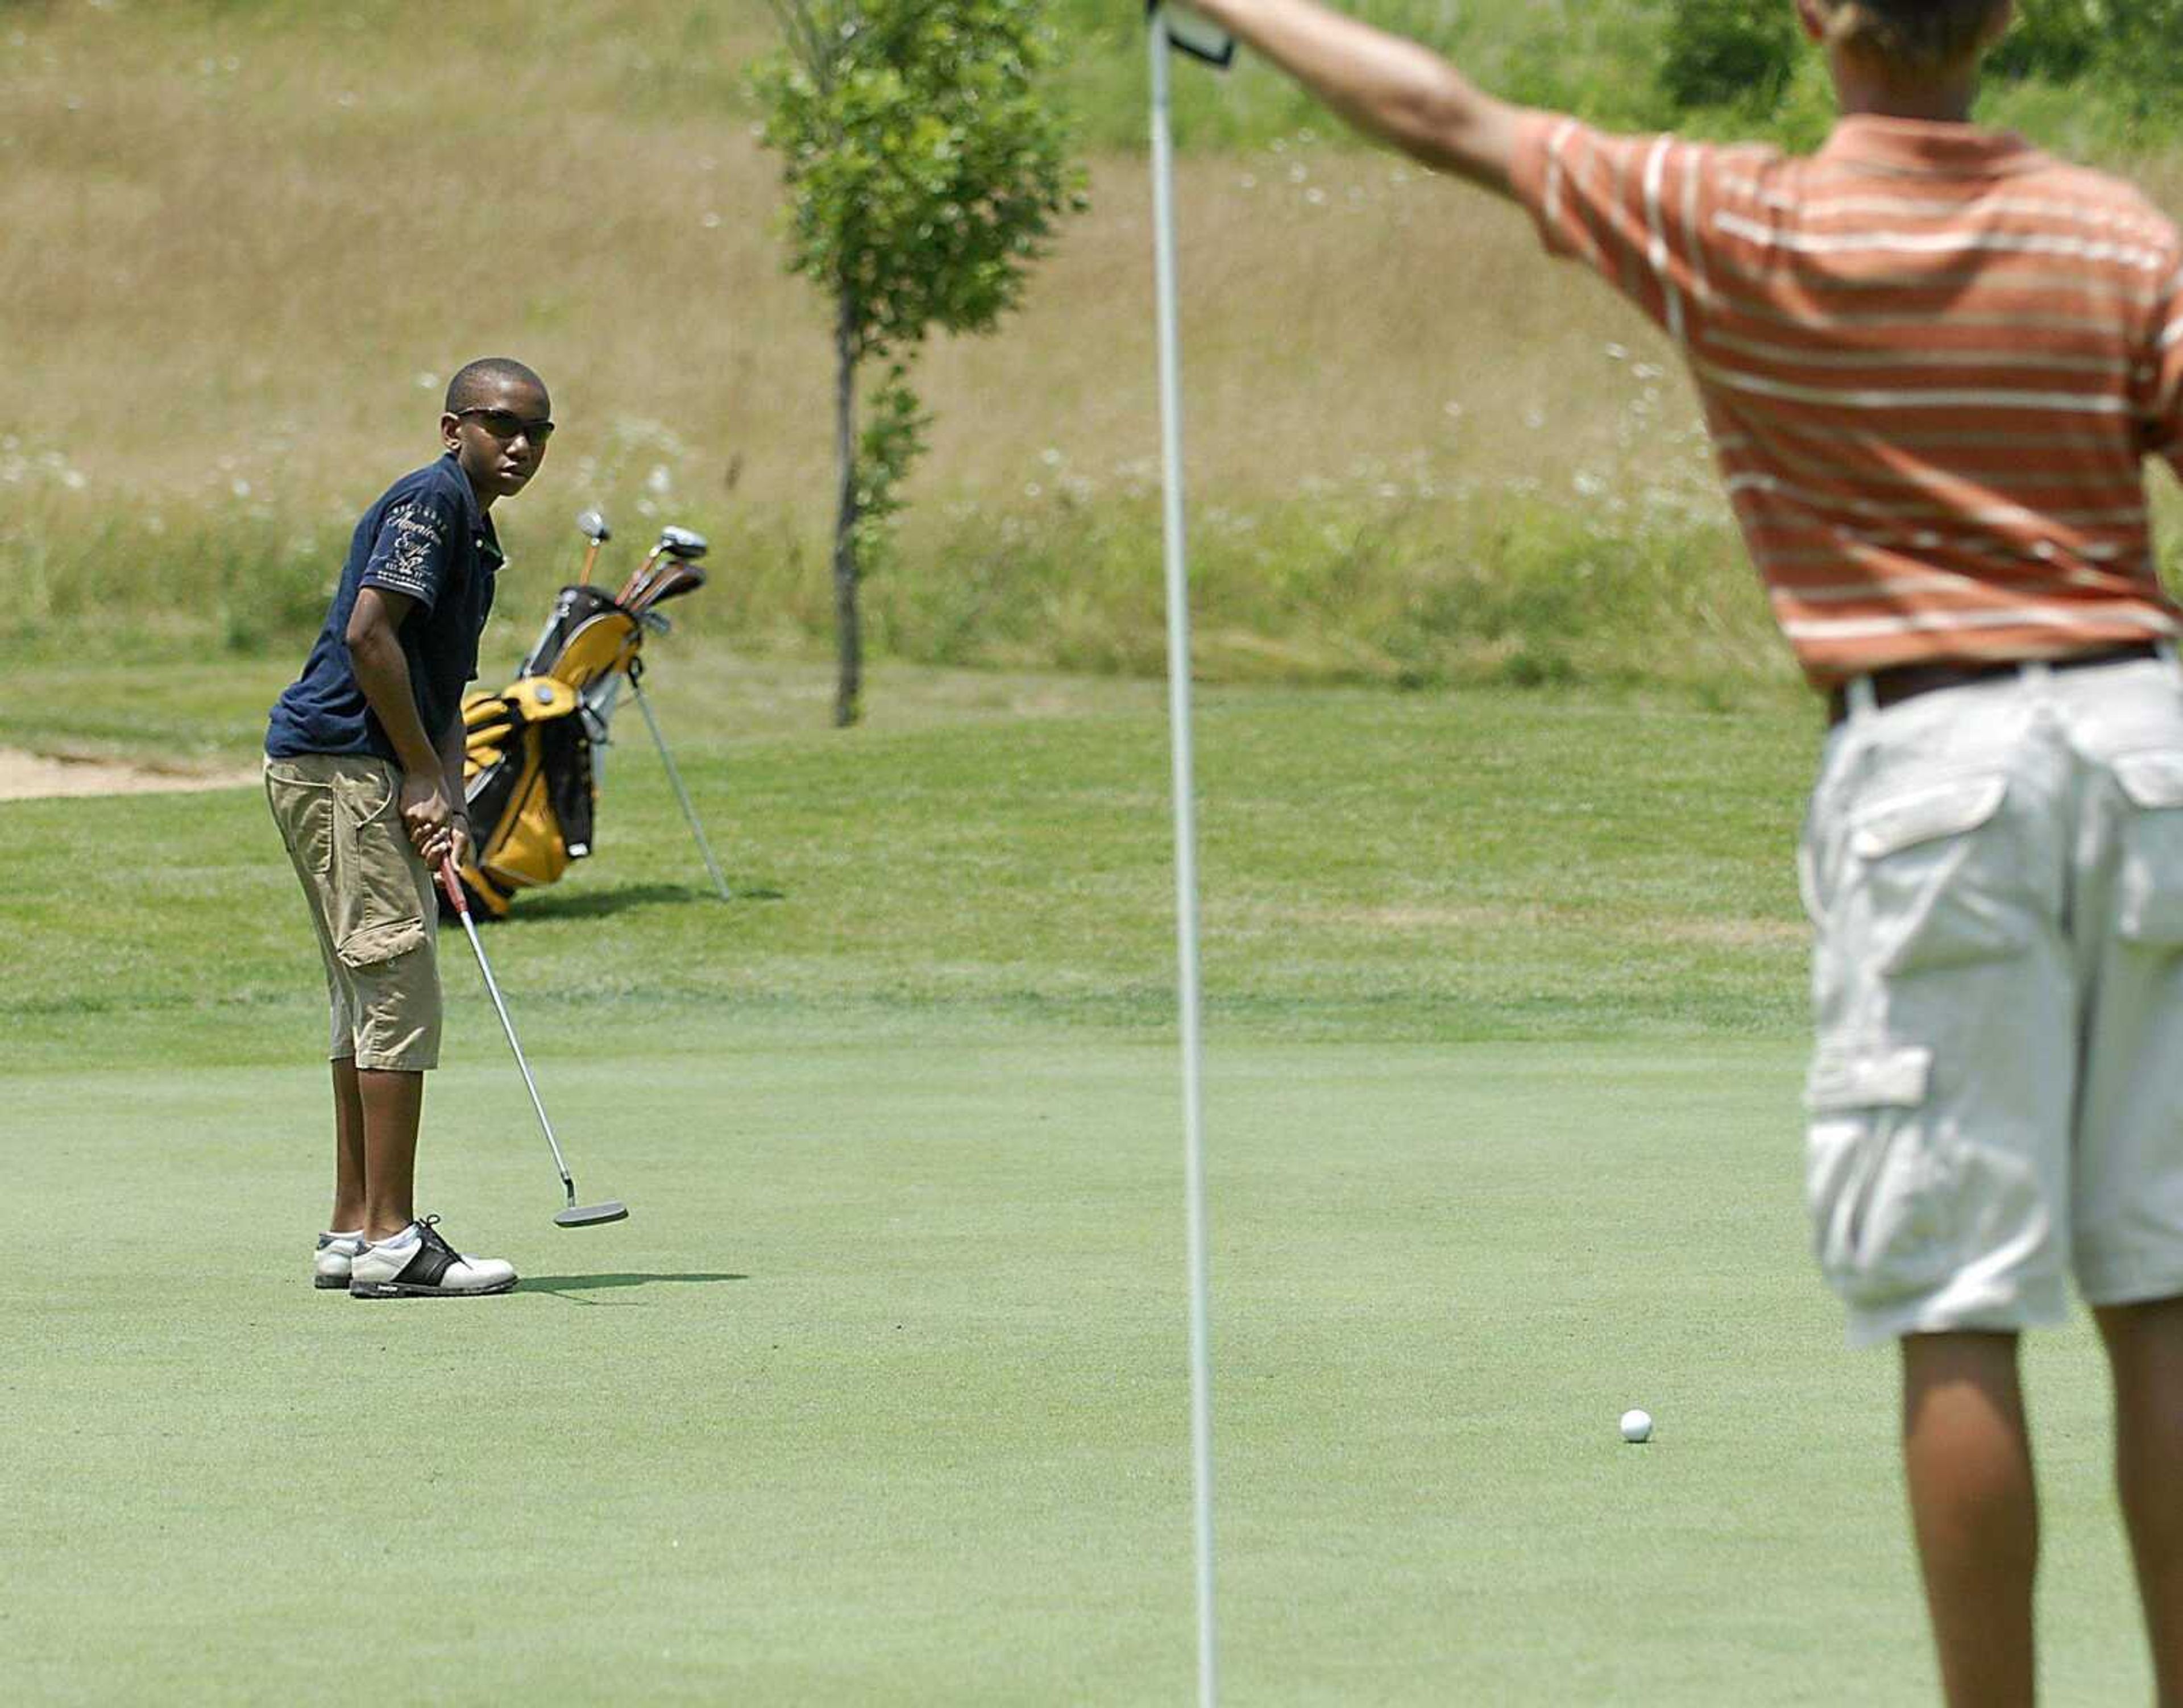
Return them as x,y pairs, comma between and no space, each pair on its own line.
2055,40
1728,53
1743,53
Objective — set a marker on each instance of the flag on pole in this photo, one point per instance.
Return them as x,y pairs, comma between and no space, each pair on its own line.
1190,35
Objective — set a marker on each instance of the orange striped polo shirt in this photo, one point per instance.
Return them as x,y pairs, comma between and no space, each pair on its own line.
1932,359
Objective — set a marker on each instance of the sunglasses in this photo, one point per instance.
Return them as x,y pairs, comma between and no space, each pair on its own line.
506,423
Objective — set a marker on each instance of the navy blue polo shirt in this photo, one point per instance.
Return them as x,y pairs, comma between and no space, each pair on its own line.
426,537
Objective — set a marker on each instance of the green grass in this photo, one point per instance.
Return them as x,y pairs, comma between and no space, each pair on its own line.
1597,58
1376,867
879,1395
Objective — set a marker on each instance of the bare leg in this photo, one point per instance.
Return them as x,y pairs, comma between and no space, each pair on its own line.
2145,1346
348,1147
393,1104
1967,1451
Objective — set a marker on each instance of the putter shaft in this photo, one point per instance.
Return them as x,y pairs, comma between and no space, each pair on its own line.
453,883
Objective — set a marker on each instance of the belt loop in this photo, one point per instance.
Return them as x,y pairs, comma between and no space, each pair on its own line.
1858,696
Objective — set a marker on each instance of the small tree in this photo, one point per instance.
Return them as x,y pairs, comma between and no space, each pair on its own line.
925,172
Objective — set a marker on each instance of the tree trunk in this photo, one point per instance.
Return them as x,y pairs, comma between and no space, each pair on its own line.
848,637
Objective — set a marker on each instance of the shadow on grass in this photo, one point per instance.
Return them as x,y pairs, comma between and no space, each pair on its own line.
600,903
568,1286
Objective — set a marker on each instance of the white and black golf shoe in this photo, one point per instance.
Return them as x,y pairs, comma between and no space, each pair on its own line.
418,1264
335,1253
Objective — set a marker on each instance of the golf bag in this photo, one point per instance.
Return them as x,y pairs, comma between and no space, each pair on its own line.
533,751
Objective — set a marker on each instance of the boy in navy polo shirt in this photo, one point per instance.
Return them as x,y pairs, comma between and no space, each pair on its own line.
364,771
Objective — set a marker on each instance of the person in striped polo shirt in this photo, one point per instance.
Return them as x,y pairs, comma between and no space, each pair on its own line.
1933,361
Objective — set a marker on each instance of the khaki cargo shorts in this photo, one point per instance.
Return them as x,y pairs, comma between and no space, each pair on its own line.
372,905
1995,1096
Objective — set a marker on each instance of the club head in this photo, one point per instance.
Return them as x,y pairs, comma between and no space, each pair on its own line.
679,577
681,542
593,527
591,1215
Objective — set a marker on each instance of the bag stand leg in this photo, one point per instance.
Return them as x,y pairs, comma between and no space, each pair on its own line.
673,776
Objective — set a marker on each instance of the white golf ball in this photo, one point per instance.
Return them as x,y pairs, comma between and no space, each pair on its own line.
1636,1426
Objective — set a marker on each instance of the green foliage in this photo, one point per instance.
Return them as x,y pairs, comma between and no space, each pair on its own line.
925,165
926,168
893,439
2057,40
1747,61
2144,39
1729,53
2129,43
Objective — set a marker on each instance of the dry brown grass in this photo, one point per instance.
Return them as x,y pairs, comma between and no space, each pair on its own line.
241,273
238,267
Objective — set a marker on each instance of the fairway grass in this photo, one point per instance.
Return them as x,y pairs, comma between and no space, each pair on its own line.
880,1394
1424,868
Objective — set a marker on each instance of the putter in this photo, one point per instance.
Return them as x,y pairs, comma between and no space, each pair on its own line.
593,527
575,1214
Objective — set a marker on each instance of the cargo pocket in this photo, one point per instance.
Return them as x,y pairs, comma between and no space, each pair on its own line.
1943,877
1879,1190
2149,883
379,913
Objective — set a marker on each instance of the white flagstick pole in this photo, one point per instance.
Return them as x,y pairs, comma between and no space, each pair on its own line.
1186,861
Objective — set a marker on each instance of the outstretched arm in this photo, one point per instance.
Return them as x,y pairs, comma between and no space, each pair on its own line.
1386,86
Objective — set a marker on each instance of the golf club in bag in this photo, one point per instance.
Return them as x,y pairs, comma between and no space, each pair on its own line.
535,750
574,1214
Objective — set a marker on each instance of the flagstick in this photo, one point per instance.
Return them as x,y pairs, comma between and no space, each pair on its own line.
1186,861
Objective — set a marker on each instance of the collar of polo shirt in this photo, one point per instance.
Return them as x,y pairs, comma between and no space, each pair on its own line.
1924,144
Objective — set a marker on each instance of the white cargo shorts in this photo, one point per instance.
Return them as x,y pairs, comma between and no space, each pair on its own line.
1995,872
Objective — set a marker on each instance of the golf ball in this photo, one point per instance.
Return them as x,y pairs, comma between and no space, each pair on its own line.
1636,1426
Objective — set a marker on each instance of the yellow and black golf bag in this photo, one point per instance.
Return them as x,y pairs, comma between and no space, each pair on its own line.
532,766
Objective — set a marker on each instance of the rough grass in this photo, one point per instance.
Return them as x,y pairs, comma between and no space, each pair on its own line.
247,242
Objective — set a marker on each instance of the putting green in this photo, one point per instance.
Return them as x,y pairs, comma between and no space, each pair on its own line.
880,1395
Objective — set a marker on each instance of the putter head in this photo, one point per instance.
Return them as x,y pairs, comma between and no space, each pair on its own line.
591,1215
593,527
683,544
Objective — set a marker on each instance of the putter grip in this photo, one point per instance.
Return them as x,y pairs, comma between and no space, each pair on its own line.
452,884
